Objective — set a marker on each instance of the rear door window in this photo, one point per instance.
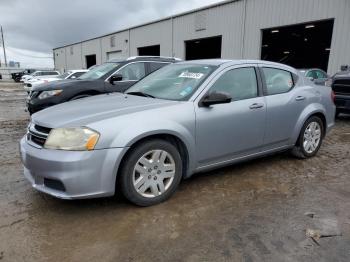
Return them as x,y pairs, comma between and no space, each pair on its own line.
277,81
312,74
320,74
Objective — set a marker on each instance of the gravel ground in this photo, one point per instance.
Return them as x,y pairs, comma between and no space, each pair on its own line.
271,209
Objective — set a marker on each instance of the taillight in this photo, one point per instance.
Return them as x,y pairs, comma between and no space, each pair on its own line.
333,96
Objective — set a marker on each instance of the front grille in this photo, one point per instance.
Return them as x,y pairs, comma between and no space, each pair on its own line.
29,85
341,86
38,134
54,184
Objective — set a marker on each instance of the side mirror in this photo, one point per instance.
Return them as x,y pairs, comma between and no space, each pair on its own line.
311,78
215,98
73,77
115,78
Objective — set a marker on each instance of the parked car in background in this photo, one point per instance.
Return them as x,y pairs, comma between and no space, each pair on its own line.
71,74
341,88
316,75
113,76
184,118
40,74
18,75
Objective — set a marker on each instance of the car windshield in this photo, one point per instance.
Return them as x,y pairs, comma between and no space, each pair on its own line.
174,82
64,75
99,71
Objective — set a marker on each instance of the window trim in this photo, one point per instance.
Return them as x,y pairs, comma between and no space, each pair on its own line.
227,69
120,68
263,78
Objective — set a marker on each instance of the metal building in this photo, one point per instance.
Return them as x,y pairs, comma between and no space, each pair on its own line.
301,33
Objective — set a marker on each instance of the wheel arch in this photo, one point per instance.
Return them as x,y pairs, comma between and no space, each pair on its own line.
312,110
173,139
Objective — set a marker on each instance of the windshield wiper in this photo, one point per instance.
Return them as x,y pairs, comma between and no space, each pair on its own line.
140,94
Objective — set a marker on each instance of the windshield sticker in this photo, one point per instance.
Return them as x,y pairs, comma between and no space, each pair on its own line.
191,75
186,91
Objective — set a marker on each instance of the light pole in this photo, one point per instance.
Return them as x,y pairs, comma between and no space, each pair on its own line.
3,45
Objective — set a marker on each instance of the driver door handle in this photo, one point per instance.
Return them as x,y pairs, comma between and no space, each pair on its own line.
300,98
256,106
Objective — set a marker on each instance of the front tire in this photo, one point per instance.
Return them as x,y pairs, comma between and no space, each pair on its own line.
310,138
151,172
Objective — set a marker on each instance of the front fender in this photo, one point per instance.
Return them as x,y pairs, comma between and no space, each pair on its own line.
308,111
135,133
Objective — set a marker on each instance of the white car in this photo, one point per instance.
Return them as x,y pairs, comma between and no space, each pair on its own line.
40,74
71,74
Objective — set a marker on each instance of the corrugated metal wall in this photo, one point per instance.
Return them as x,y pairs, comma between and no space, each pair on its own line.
121,43
274,13
225,20
153,34
238,22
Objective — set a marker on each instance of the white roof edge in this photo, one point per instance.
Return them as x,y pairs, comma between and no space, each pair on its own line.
225,2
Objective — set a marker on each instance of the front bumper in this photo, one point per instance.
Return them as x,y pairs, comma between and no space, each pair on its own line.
78,174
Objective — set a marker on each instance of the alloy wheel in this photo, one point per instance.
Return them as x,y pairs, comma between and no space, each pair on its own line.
154,173
312,137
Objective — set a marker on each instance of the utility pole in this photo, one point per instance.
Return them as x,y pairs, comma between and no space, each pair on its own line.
3,46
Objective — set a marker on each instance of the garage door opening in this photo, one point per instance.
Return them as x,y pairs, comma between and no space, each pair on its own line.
153,50
204,48
114,55
90,60
301,46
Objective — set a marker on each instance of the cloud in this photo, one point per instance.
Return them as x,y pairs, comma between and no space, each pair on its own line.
40,25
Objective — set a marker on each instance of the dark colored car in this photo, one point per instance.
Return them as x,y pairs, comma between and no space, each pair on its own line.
341,88
112,76
316,75
17,76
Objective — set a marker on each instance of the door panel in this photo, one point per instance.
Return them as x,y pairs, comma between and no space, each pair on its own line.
118,86
227,131
284,104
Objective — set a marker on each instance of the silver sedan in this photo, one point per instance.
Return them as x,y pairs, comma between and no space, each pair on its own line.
184,118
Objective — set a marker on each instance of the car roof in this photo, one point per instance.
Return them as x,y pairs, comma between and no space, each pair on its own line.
143,58
45,71
78,70
227,62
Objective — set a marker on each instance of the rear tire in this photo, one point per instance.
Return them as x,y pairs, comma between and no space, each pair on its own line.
150,173
310,138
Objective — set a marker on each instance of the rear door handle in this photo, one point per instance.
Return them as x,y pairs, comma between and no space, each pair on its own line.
300,98
256,106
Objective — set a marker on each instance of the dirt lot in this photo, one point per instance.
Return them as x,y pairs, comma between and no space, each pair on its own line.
261,210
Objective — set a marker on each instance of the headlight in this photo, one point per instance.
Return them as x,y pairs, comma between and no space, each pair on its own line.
74,139
46,94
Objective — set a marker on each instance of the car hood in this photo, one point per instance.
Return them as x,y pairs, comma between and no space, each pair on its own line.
59,84
89,110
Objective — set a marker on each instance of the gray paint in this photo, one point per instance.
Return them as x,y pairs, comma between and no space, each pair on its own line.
239,22
122,120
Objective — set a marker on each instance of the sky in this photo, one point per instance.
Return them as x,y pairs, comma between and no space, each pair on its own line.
32,28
